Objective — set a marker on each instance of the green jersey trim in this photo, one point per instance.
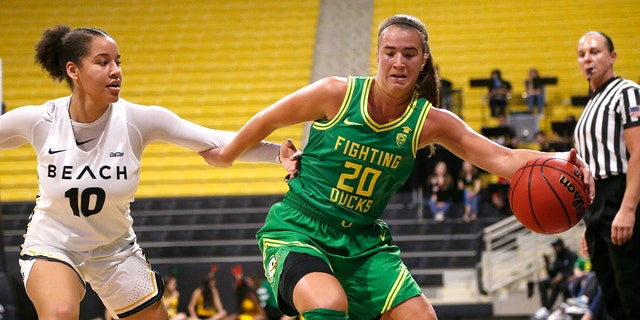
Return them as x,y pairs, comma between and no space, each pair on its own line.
420,127
351,87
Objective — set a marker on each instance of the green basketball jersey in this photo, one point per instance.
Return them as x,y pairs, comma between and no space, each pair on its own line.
352,165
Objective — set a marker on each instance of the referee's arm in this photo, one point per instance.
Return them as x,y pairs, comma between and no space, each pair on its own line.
623,223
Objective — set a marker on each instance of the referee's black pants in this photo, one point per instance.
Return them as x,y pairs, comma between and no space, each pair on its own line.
617,267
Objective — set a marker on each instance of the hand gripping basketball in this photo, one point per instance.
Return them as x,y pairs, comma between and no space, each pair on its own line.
548,195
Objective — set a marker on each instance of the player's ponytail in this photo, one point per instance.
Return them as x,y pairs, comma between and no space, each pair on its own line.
427,84
48,51
60,45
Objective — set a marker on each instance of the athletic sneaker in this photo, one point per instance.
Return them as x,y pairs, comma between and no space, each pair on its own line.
541,314
559,315
581,301
576,310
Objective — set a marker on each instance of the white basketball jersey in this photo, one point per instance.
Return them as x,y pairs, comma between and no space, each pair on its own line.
84,199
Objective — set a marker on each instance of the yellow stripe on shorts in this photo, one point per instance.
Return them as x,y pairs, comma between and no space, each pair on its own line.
139,301
277,243
395,289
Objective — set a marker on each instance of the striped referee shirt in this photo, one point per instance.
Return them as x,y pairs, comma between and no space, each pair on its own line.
598,137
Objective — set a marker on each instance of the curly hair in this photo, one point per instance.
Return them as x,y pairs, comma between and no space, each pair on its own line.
60,45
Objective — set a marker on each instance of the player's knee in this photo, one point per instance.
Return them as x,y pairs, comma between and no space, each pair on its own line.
63,311
308,275
324,314
332,297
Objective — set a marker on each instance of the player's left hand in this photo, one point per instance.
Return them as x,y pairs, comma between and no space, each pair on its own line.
290,158
573,157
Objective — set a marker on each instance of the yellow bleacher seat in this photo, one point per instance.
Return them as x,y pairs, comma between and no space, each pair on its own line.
212,62
219,62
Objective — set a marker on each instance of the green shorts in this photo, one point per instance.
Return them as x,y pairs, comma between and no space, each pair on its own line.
362,257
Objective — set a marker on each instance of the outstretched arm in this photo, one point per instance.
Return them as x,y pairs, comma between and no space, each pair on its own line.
169,127
319,100
289,156
444,128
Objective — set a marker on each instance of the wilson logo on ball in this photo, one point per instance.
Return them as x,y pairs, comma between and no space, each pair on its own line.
578,201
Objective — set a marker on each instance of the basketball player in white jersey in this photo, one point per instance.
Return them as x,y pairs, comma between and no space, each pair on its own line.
88,147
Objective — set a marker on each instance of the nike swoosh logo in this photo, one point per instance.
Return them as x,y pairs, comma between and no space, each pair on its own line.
79,143
351,123
56,151
383,236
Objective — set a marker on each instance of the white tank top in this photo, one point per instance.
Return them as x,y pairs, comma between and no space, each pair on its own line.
85,195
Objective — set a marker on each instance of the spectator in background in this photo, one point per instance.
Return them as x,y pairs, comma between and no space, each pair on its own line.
586,294
250,308
440,183
470,184
499,193
564,135
205,303
499,94
560,272
535,96
503,133
543,142
585,301
446,91
247,296
171,298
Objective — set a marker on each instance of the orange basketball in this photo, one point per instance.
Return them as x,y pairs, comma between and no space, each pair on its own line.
547,195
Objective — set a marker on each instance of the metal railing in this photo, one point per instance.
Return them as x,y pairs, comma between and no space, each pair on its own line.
513,253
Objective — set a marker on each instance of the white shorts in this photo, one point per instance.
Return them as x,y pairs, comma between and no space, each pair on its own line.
118,272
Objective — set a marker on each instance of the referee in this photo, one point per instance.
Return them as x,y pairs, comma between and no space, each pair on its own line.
607,136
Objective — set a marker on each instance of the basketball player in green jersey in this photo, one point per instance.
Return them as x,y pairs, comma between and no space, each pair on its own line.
326,253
